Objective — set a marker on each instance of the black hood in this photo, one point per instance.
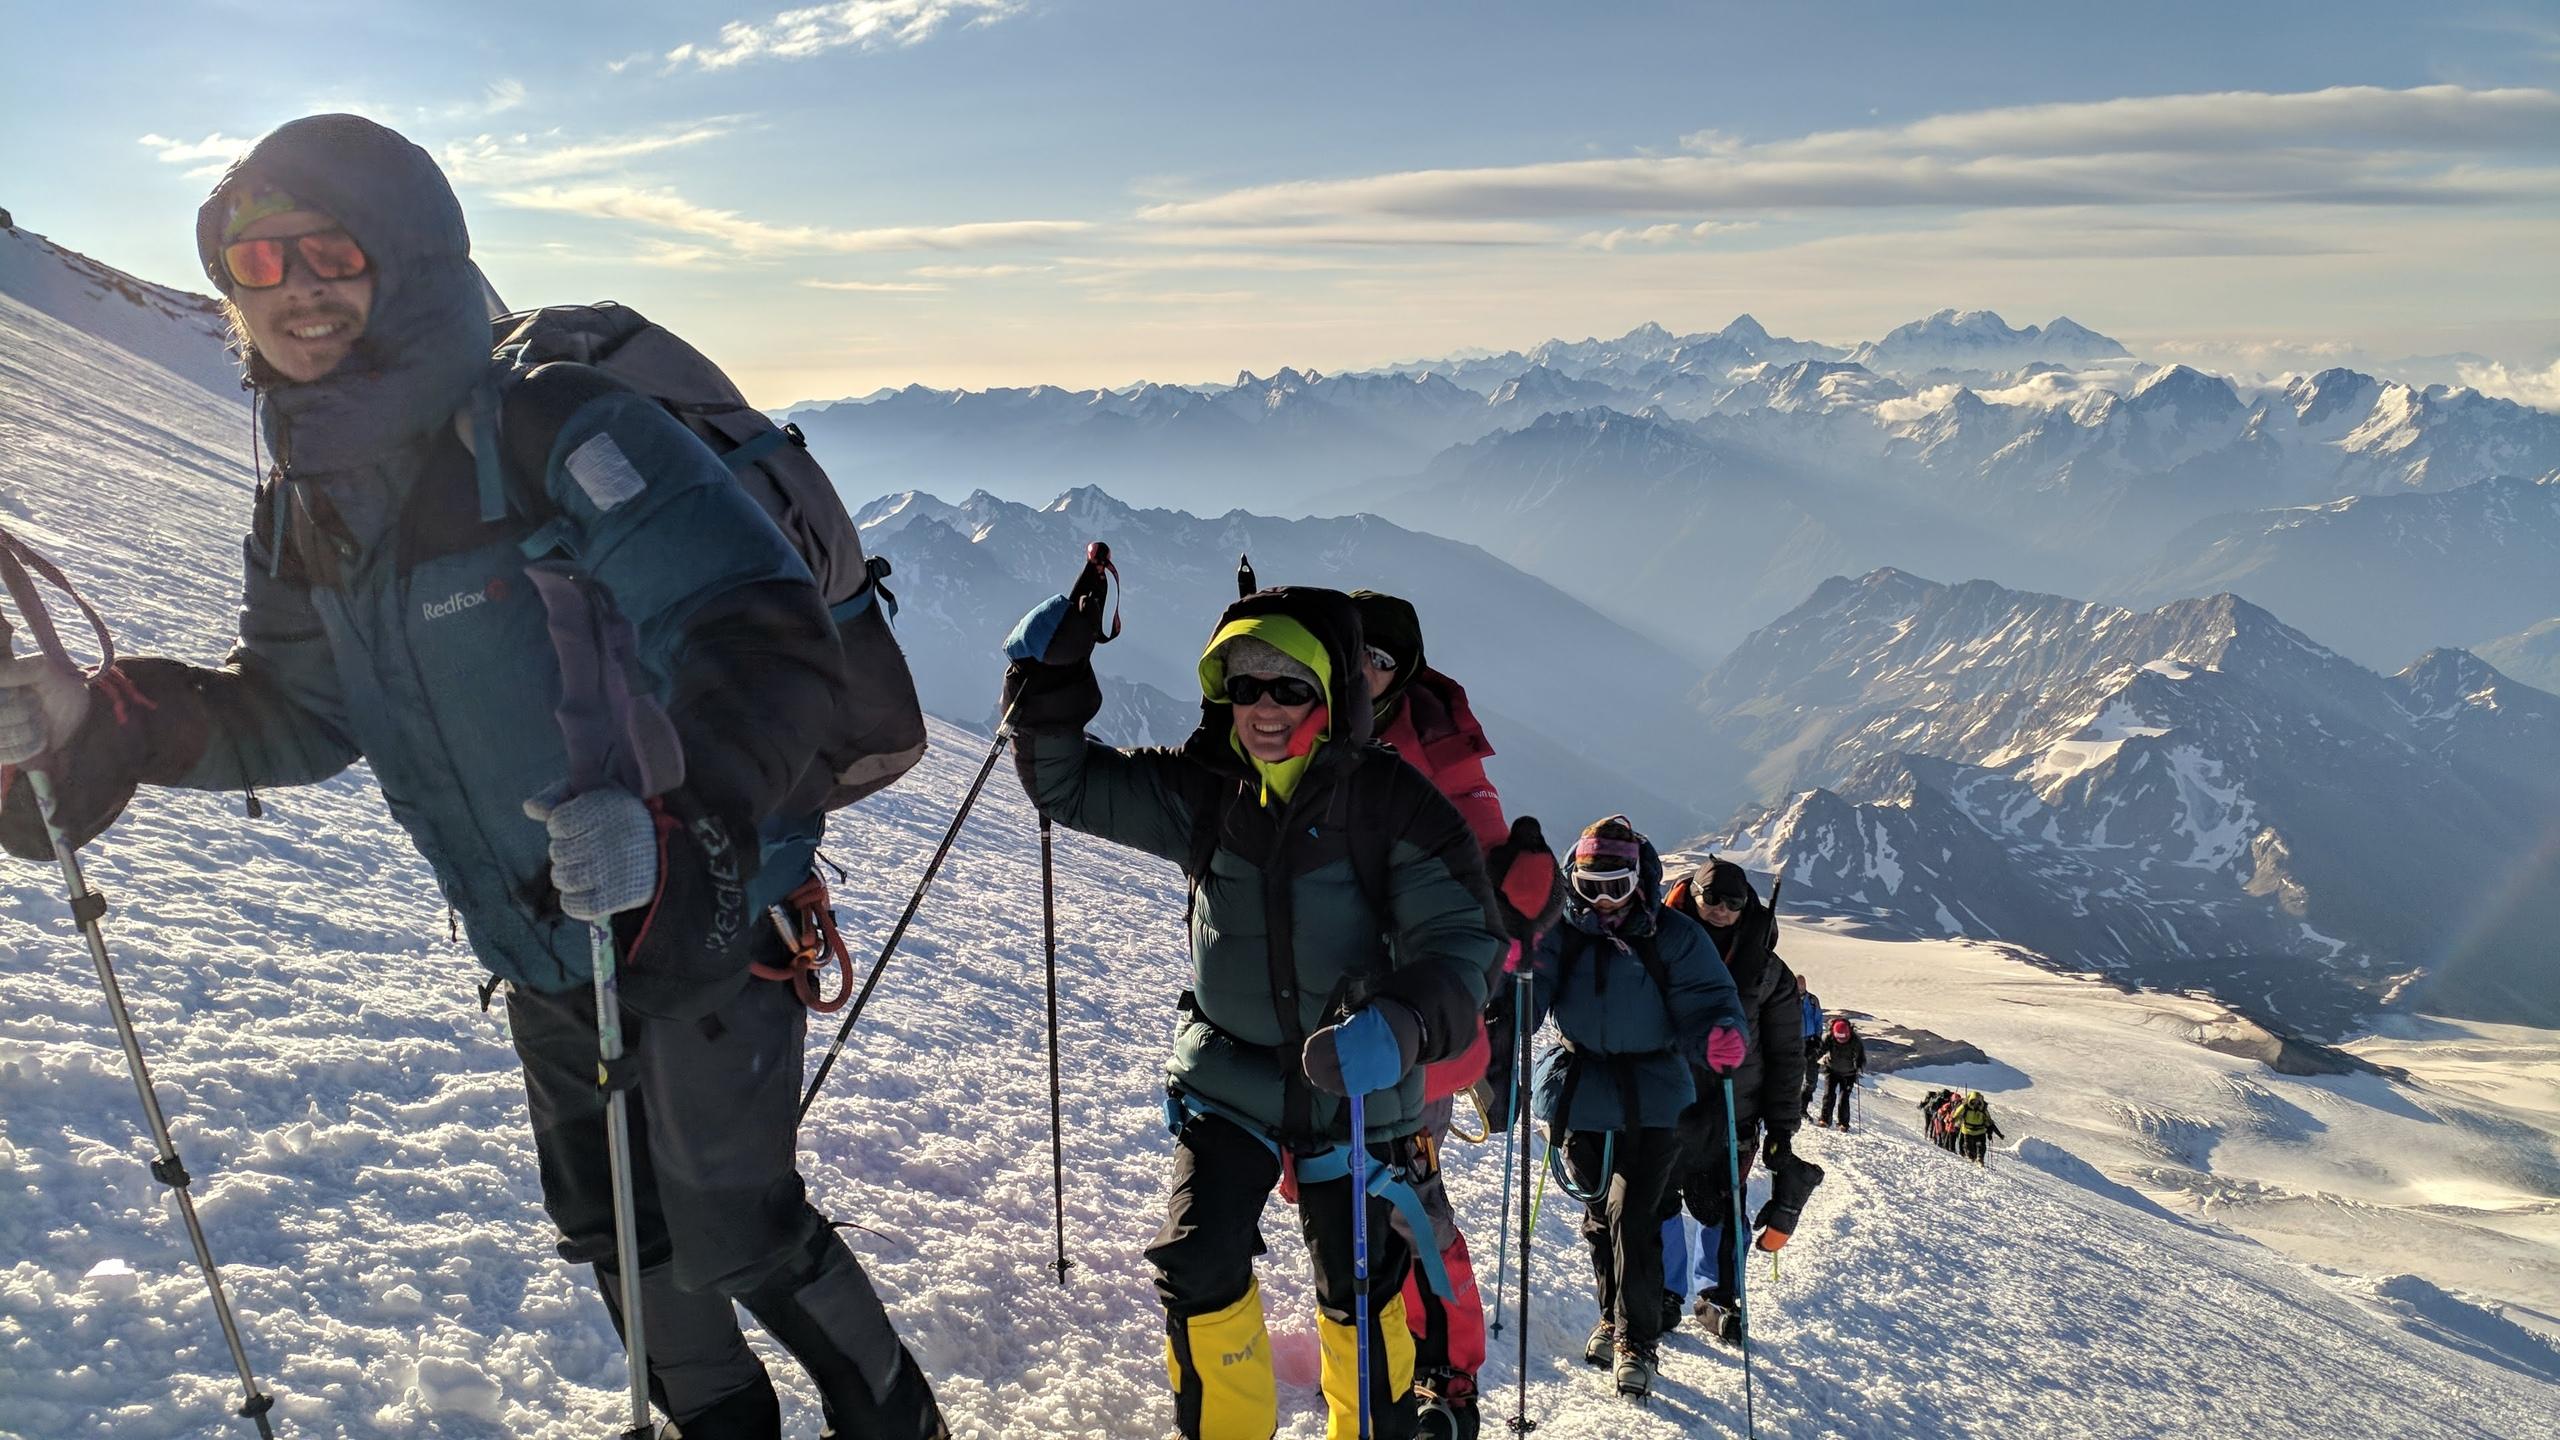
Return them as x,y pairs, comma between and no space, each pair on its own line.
1390,623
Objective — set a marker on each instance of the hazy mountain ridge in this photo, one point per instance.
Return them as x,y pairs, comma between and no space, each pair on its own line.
1532,659
2379,577
2193,797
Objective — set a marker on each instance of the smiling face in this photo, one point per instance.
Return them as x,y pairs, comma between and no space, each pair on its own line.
306,325
1264,726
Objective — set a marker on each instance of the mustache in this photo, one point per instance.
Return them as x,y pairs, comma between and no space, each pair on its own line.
317,314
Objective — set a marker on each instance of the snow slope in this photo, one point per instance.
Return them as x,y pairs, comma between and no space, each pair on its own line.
356,1127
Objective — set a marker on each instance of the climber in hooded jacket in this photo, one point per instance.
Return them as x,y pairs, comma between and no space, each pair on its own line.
1424,717
1644,1004
387,618
1768,1087
1303,987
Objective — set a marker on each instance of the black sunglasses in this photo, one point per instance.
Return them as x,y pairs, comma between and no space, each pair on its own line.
1283,690
1722,902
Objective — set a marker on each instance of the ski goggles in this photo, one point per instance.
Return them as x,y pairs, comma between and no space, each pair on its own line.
1283,690
262,264
1604,887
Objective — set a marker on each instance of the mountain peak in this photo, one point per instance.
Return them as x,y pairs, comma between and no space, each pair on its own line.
2188,390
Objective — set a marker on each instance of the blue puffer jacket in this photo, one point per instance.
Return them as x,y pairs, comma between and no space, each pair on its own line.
386,619
1627,1041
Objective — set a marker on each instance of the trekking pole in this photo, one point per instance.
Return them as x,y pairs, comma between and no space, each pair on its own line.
1741,1290
1057,1151
616,736
1088,590
88,910
1510,1150
1521,982
87,907
915,902
1360,1246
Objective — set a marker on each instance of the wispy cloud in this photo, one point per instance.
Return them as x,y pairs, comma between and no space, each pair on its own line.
1669,232
217,148
1375,232
979,272
1203,260
1174,297
524,159
664,209
660,254
877,287
854,24
2351,145
498,98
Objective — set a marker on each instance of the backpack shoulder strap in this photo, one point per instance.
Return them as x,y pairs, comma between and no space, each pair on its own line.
525,408
1371,846
1648,948
1210,805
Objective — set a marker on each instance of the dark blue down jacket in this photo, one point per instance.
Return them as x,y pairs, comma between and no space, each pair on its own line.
1629,1041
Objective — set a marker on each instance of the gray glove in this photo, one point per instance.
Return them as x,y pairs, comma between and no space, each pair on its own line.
604,850
42,701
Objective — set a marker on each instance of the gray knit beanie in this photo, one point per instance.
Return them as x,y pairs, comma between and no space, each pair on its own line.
1252,655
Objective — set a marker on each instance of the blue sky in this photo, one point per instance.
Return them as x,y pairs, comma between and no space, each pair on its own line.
984,192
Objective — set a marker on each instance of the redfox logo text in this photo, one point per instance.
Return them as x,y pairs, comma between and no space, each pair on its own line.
454,604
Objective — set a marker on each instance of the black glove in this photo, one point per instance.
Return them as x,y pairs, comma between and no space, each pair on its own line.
685,954
1780,1145
1050,683
1061,698
1526,884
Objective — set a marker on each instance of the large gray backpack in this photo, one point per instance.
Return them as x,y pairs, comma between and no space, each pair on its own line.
879,735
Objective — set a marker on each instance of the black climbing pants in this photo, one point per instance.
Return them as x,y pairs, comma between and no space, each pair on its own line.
722,1213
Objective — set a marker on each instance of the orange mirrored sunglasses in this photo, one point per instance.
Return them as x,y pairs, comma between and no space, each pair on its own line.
261,264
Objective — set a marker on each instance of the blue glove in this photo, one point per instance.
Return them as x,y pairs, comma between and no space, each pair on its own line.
1057,631
1369,1052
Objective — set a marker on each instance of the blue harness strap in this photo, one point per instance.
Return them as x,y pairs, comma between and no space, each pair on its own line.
1387,1182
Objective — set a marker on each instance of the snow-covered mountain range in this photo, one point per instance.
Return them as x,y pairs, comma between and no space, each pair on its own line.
1621,469
2196,797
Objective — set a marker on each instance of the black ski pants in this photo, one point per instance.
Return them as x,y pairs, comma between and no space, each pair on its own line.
1203,1257
1973,1147
722,1213
1624,1225
1837,1087
1812,1069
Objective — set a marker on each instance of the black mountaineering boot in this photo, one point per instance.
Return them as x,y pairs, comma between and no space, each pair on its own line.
1604,1338
1636,1369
